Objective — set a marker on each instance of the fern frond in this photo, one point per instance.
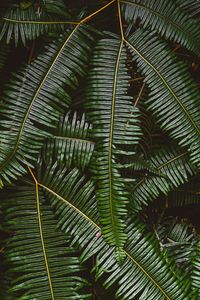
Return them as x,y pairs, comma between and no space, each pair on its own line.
174,169
71,144
174,98
21,24
166,18
115,125
35,99
77,212
37,252
144,264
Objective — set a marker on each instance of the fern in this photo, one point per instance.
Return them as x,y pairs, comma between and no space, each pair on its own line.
83,223
177,238
165,18
99,150
71,143
115,123
26,122
162,72
39,253
25,23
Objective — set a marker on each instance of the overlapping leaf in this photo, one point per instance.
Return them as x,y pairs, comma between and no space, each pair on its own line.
174,170
28,23
144,272
177,239
173,98
115,125
35,99
165,18
91,212
72,143
46,266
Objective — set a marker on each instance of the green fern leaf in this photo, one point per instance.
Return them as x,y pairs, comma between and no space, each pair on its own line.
165,18
35,99
115,124
38,253
77,212
71,143
57,7
20,24
174,169
143,264
173,98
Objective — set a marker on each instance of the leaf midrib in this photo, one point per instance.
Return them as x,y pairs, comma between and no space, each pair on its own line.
99,228
42,241
161,17
111,135
9,157
168,87
38,22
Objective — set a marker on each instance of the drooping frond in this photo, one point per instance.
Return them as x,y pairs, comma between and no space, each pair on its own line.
38,253
144,264
173,98
28,23
174,169
144,269
166,18
35,99
115,125
72,144
186,197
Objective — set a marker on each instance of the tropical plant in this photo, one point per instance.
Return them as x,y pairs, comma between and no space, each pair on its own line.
100,150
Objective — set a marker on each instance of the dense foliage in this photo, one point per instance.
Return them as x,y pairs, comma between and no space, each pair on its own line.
100,150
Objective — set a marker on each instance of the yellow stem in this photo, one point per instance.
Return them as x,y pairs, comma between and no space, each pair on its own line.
41,233
97,11
60,22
